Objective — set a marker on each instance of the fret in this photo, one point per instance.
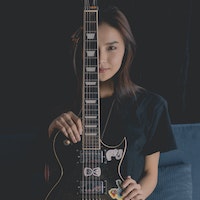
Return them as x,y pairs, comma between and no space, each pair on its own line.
91,13
91,121
91,42
91,106
91,61
91,92
91,95
91,75
94,98
90,19
91,87
93,51
92,112
90,45
91,124
91,28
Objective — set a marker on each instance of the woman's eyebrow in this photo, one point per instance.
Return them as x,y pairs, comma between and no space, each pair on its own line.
111,43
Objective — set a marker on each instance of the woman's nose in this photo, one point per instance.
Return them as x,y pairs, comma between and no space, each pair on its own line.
102,57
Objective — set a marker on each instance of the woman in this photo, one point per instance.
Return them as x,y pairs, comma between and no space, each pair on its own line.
127,110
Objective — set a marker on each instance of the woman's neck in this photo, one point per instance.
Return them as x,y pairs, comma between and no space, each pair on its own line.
106,88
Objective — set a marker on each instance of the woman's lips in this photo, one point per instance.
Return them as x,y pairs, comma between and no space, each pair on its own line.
102,70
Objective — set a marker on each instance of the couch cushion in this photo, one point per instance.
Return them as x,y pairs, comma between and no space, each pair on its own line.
174,183
188,142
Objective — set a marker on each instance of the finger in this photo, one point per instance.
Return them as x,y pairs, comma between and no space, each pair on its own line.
71,136
75,132
56,125
72,127
130,193
67,126
70,122
78,122
127,181
75,124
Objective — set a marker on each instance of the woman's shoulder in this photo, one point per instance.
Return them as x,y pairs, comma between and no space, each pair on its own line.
147,97
144,101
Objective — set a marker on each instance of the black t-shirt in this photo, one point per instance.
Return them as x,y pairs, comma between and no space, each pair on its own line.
144,121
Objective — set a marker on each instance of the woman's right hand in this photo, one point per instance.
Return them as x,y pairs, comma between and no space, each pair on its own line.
69,124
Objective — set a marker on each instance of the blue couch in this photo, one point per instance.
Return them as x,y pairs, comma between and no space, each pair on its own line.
179,170
22,164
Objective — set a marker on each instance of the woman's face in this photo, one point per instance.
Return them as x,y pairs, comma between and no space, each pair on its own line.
111,51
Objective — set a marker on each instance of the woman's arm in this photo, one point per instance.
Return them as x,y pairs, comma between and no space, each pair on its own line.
149,181
142,189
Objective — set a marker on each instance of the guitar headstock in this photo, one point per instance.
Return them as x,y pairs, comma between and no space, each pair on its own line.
90,4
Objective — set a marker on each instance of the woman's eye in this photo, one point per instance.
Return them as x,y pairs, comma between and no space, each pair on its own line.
112,47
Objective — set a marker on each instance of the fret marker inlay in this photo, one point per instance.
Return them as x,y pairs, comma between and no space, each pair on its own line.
91,117
90,36
90,69
90,53
90,83
90,101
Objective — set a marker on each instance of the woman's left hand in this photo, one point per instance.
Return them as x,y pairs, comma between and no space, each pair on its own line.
132,190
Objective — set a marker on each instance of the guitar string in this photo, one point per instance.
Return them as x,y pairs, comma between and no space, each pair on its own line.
94,18
88,138
84,161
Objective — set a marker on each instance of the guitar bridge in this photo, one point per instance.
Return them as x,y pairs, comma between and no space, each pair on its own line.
92,187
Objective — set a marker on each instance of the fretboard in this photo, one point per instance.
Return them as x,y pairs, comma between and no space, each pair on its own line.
91,104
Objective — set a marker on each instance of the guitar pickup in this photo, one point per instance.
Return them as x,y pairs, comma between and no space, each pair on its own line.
91,156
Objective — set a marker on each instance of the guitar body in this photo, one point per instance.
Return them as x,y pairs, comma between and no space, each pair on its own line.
87,175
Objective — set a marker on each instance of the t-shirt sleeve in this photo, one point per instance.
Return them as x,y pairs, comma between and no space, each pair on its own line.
160,135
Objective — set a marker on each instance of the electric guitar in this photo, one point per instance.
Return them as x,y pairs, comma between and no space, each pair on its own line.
90,169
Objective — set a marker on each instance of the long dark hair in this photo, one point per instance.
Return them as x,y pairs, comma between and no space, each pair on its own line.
123,84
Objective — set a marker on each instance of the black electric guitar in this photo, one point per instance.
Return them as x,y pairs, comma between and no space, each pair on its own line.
90,169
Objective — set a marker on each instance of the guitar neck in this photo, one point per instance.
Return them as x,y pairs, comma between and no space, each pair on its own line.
90,103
